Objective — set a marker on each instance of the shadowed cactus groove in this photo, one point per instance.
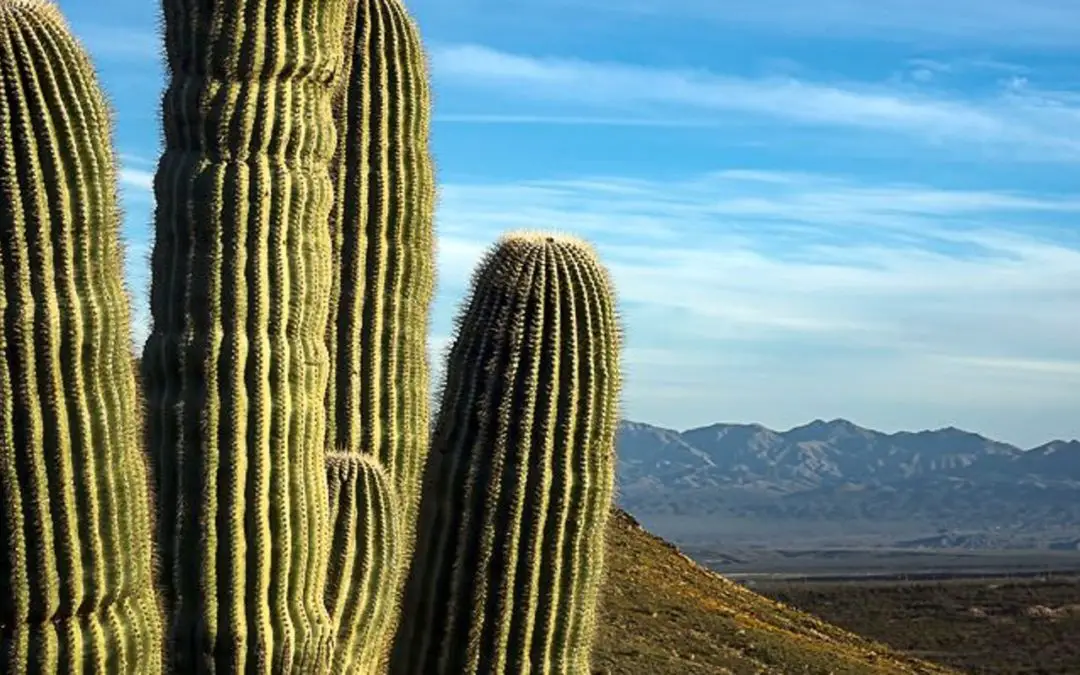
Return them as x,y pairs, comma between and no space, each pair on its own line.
76,580
510,551
236,364
384,267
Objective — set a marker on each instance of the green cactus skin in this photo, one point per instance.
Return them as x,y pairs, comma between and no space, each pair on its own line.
510,551
384,267
76,576
236,365
365,556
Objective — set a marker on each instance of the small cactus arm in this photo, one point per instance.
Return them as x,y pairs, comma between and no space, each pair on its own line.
364,561
383,281
236,364
510,550
76,577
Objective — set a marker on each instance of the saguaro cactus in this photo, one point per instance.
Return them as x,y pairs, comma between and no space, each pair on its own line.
236,365
384,266
285,372
510,553
76,586
292,280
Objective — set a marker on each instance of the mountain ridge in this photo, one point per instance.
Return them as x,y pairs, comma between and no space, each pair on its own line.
843,421
838,470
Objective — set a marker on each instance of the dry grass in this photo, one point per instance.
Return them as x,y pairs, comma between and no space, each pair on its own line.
665,615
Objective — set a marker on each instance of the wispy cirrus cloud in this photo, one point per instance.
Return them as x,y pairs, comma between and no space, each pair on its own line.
1019,121
775,291
800,294
929,301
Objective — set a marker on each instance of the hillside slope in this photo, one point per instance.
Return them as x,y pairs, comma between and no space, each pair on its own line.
665,615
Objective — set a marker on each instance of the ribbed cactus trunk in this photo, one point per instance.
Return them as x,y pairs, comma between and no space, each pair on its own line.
384,266
510,552
76,585
236,365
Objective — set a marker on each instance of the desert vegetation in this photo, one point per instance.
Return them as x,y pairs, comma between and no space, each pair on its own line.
984,626
264,489
265,500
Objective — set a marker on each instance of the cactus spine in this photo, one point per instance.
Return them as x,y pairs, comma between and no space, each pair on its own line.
511,540
384,255
76,582
236,365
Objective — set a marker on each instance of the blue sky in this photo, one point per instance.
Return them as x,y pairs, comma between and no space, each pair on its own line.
826,208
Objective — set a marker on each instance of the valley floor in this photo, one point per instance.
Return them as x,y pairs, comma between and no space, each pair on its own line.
985,627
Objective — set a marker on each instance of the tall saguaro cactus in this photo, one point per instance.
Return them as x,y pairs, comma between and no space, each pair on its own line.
384,266
76,586
510,553
292,279
236,365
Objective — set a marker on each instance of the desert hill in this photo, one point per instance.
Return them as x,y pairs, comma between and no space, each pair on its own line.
665,615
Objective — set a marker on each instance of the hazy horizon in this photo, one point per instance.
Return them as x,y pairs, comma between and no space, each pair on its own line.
825,210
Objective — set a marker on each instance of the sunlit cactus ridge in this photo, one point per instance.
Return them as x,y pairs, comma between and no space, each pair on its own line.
510,555
76,578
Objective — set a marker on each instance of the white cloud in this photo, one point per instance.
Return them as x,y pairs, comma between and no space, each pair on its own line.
571,120
926,307
778,297
140,180
1023,122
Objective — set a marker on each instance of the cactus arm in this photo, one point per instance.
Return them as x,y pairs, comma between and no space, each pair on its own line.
76,582
236,364
366,552
510,544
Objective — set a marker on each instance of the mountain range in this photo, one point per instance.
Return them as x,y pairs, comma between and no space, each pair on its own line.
838,471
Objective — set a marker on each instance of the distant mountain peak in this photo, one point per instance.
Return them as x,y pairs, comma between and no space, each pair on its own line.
1058,446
